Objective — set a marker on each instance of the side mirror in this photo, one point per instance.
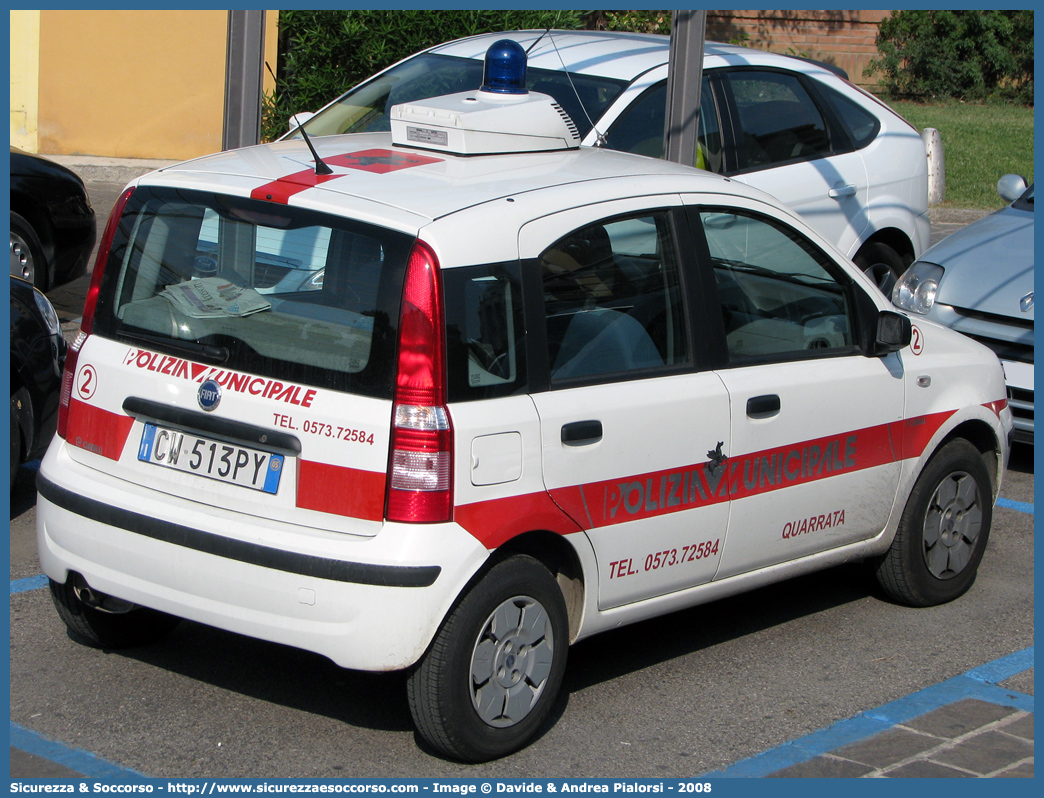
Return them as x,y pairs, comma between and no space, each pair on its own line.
894,332
1011,187
299,119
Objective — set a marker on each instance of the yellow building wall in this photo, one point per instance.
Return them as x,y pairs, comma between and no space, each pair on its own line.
135,84
25,62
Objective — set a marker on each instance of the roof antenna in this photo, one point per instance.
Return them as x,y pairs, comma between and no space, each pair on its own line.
599,136
321,167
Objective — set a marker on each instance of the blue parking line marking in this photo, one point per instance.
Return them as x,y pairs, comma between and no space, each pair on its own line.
29,583
977,683
1011,504
77,759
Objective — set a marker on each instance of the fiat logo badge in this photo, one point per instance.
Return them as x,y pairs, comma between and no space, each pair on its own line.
1026,303
209,396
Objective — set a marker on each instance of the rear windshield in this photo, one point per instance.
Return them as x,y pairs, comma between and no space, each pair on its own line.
258,288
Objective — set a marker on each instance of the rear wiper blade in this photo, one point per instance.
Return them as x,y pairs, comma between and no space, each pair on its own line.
215,354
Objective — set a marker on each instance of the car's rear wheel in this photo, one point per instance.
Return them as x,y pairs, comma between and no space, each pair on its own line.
880,263
943,532
490,677
27,258
125,628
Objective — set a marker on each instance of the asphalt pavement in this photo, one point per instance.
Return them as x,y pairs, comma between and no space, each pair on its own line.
976,724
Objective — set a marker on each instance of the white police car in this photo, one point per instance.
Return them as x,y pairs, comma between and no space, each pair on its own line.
454,398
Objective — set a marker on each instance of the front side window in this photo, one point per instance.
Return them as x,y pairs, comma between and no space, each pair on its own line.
777,120
780,296
256,288
613,300
639,128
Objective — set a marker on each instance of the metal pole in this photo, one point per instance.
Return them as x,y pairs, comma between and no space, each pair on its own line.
684,79
244,61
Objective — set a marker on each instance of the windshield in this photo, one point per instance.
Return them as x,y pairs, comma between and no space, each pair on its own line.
365,108
274,291
1025,202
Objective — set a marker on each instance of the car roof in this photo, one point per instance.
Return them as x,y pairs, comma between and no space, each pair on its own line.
613,54
407,197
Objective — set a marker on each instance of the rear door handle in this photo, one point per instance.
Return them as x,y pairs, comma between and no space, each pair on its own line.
763,406
582,433
841,192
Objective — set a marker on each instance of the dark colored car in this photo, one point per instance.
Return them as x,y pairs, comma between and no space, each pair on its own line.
52,222
37,357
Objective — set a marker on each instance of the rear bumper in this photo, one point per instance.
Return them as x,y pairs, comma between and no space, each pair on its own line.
366,603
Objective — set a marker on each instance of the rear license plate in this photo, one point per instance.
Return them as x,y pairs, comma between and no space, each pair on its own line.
218,460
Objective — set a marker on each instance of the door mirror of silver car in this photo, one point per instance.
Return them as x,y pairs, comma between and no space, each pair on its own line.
299,119
894,332
1010,187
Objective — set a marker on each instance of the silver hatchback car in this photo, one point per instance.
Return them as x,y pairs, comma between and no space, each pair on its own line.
979,281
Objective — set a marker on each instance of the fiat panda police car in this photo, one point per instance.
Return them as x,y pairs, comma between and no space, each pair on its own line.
453,398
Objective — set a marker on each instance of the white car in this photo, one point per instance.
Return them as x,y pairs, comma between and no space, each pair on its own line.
537,394
846,162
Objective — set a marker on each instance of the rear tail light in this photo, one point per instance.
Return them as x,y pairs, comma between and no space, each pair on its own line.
420,469
87,322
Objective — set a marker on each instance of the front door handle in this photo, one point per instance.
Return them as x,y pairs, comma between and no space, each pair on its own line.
763,406
841,192
581,433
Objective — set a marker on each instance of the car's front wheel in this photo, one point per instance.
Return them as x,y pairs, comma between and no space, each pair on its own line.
491,675
880,263
943,532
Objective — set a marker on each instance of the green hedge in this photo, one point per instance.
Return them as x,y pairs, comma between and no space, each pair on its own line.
325,53
962,55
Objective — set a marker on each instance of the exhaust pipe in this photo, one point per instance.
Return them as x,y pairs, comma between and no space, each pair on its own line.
96,599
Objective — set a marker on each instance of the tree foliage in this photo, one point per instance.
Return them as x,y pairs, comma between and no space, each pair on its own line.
965,55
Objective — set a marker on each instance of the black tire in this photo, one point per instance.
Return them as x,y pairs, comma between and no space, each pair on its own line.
138,627
27,254
880,263
525,657
943,532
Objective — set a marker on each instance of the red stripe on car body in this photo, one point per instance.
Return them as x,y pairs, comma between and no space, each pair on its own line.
339,490
97,430
380,162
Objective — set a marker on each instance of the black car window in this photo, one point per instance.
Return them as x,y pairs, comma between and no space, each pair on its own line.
781,298
485,332
777,119
613,300
861,125
639,129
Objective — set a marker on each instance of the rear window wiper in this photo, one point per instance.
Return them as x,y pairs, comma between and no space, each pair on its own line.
215,354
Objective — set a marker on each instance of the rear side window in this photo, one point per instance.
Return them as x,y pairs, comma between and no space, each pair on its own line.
861,125
613,300
485,346
257,288
777,119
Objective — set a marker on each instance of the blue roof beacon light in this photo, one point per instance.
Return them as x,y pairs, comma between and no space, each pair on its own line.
505,68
